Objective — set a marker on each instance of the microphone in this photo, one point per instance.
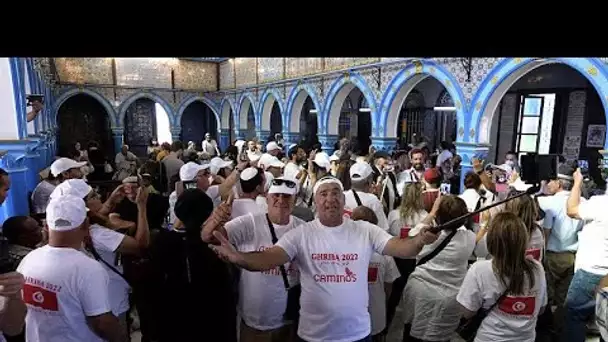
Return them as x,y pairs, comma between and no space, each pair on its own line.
530,191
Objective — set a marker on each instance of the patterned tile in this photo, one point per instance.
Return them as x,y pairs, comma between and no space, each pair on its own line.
85,70
144,72
196,75
270,69
227,80
340,63
246,73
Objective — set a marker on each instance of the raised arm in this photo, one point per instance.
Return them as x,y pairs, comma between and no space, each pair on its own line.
574,199
252,261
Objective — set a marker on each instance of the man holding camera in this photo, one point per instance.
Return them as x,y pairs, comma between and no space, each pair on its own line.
263,295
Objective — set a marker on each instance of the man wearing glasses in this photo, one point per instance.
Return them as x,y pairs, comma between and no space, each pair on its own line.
263,295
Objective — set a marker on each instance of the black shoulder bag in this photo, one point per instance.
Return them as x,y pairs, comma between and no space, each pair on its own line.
89,246
468,327
357,198
292,311
437,249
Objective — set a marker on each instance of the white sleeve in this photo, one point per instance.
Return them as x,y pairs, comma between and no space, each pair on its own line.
391,272
543,285
240,230
379,210
105,239
172,202
481,249
591,209
394,223
377,236
213,192
290,242
93,294
470,295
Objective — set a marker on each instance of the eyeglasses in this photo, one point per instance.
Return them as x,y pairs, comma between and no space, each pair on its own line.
287,182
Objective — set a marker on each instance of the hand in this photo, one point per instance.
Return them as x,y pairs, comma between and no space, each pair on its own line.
11,284
312,155
223,212
225,250
578,176
426,236
142,196
36,106
118,194
477,164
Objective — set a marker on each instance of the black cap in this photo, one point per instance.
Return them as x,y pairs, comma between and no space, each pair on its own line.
193,207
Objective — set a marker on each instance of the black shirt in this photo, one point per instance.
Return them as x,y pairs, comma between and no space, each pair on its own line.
157,209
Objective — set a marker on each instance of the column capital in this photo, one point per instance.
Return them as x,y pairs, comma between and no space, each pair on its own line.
384,143
469,150
118,130
328,141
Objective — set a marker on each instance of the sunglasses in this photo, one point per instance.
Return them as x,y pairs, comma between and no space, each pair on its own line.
288,183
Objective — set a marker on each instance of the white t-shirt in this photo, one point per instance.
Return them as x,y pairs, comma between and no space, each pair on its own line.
244,206
291,170
263,298
368,200
514,318
333,264
214,193
404,228
62,287
471,198
535,248
592,253
41,196
172,201
382,270
106,242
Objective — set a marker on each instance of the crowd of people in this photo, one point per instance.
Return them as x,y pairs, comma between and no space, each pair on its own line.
274,243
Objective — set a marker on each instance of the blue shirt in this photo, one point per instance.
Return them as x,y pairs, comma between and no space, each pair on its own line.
564,230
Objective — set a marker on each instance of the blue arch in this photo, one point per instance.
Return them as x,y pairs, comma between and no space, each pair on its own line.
287,115
189,100
357,80
277,97
226,120
251,98
148,95
425,69
592,68
69,92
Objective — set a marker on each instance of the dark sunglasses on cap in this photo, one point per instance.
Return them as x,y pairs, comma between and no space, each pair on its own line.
287,182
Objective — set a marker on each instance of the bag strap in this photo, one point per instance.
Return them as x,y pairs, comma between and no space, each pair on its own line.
274,240
91,248
357,198
502,296
438,249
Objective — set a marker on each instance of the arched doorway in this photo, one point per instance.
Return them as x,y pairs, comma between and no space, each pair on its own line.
276,122
355,121
145,120
247,122
309,126
81,118
197,120
427,113
552,108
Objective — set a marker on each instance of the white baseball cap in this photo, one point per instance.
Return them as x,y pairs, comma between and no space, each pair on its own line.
327,180
249,173
73,187
360,170
322,160
283,185
189,170
63,164
334,157
274,162
65,213
217,163
271,146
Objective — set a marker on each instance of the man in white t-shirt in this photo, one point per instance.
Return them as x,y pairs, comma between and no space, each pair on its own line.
273,149
263,295
294,167
591,262
362,178
66,168
252,181
209,146
66,292
333,255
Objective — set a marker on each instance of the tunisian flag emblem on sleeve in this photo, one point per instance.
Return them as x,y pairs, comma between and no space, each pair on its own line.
39,297
519,306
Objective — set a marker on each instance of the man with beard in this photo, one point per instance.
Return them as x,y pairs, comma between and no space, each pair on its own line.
297,157
416,172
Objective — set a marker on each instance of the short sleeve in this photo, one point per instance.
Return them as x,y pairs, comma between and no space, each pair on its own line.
394,223
549,213
213,192
391,273
105,239
290,242
481,248
377,236
94,296
382,220
591,209
240,230
470,295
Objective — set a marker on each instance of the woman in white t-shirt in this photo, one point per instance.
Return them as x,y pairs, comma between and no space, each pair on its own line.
509,272
431,312
525,208
401,222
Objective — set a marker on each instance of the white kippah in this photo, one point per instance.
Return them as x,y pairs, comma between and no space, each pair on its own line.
249,173
327,180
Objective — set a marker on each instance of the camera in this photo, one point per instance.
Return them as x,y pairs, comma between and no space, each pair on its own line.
538,167
34,97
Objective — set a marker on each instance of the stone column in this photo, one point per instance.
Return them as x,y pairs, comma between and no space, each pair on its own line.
118,137
263,136
290,138
327,142
224,139
467,151
176,131
384,144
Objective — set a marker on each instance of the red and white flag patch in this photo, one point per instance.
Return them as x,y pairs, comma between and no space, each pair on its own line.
405,232
534,253
39,297
519,306
372,274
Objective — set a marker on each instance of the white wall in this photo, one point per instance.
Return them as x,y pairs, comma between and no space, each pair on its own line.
31,128
8,112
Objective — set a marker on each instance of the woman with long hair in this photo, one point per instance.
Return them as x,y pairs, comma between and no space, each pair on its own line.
429,299
512,281
401,221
